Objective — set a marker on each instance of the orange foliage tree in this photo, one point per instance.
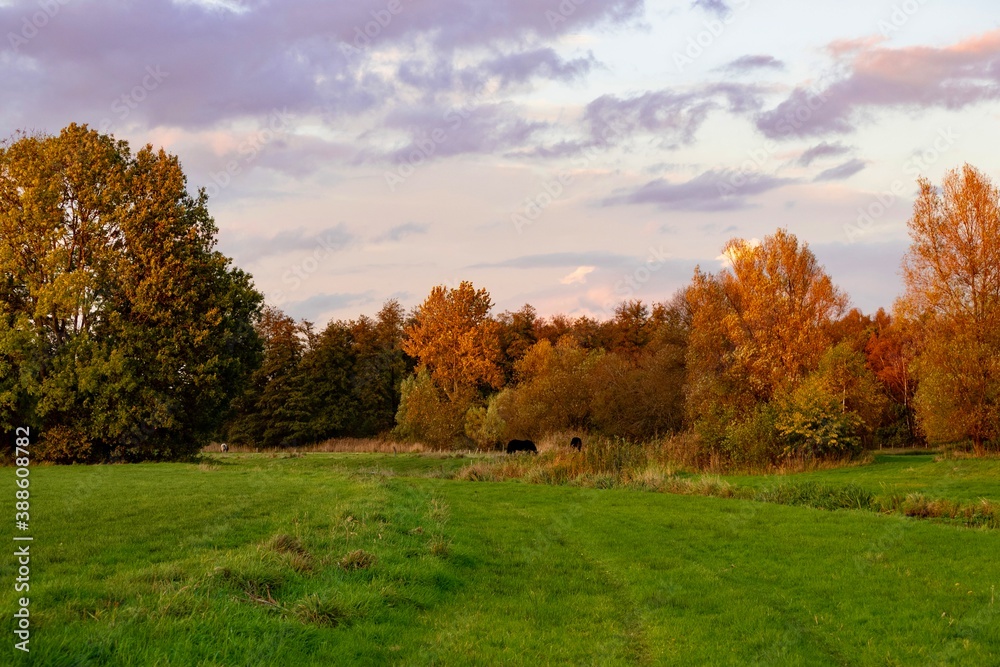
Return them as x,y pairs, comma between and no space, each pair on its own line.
758,327
454,338
952,276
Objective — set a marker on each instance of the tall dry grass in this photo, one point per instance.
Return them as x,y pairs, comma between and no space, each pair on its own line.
361,445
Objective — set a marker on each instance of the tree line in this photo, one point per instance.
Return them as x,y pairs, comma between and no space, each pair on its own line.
124,335
762,360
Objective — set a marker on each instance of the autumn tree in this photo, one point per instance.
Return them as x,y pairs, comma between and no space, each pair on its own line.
758,328
454,339
952,277
518,331
123,333
457,348
890,351
553,391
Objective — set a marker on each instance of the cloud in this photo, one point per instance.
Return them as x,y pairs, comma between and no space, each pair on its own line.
434,134
878,77
710,191
561,259
822,150
842,171
249,249
544,62
318,304
500,71
578,276
672,116
717,7
399,232
243,60
750,63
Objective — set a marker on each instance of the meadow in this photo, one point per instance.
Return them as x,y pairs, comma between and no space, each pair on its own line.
350,558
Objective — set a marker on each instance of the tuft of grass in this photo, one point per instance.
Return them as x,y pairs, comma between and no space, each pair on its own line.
359,559
439,546
322,611
284,543
291,550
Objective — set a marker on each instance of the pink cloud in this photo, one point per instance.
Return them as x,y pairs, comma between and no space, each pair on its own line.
951,77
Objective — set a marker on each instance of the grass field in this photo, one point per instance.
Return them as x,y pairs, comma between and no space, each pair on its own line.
377,559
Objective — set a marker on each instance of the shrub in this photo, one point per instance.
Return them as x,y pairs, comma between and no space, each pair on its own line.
485,426
426,415
815,423
63,444
754,441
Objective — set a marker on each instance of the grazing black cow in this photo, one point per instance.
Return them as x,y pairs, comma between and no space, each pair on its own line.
576,443
521,446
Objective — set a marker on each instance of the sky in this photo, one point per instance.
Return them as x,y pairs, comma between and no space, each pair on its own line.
570,154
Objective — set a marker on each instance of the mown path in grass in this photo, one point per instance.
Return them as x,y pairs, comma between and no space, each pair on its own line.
175,564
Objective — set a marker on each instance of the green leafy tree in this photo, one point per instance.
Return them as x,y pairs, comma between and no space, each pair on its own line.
266,414
121,328
814,422
427,415
379,368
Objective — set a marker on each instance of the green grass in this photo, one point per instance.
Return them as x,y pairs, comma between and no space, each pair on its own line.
373,559
961,479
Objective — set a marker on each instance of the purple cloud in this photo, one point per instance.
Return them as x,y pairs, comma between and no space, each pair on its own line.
717,7
399,232
820,151
306,56
487,128
842,172
710,191
249,249
951,77
674,117
750,63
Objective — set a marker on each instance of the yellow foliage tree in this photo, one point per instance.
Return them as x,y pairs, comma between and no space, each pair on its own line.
758,327
456,341
952,275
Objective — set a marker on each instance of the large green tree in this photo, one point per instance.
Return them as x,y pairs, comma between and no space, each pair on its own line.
123,333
